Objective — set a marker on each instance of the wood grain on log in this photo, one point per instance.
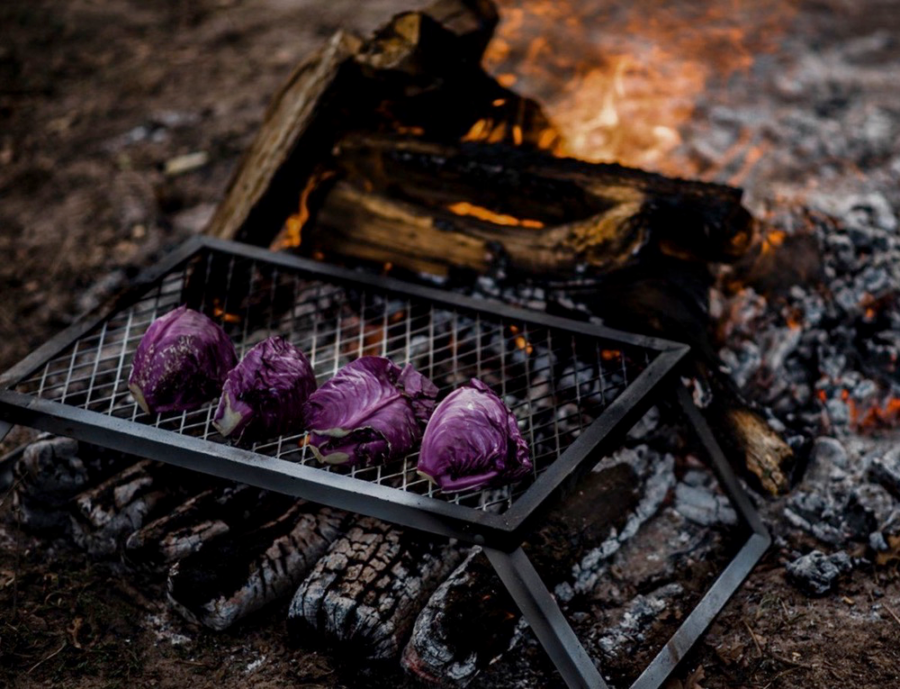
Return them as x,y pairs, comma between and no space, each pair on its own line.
255,563
368,589
296,127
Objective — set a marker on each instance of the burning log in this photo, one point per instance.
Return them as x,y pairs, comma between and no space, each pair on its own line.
418,74
106,515
190,526
259,560
368,589
428,206
471,619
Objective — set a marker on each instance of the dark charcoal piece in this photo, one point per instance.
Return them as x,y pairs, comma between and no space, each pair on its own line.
817,573
262,559
886,470
52,471
191,525
368,589
105,516
469,621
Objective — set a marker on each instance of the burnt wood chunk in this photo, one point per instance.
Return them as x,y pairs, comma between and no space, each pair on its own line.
256,562
471,619
104,517
368,589
191,525
52,471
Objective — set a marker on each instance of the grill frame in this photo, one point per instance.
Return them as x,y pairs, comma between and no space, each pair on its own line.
409,509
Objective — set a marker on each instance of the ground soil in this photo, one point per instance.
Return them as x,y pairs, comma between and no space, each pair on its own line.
95,99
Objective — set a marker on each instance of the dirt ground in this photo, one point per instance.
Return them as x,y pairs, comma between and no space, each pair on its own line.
99,102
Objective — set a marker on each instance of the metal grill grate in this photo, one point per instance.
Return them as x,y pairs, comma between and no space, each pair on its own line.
557,382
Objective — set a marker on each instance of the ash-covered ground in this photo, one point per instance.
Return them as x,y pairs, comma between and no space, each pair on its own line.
121,124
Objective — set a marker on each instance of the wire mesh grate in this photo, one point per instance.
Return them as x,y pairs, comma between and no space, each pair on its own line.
556,382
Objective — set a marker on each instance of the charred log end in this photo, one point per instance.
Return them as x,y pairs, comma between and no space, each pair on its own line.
236,575
367,590
768,457
469,622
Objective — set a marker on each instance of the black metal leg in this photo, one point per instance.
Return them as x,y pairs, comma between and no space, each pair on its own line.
724,473
557,637
543,614
5,428
734,575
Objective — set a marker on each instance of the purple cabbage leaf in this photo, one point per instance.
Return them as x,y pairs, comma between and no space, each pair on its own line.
180,362
473,441
372,411
264,395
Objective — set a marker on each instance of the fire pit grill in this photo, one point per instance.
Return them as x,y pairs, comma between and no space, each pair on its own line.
575,387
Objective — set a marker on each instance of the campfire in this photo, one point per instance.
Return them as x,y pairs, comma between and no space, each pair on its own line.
516,158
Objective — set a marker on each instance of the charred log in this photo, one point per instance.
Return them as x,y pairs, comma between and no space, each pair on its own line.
432,207
103,517
51,472
257,562
368,589
670,298
598,212
471,619
191,525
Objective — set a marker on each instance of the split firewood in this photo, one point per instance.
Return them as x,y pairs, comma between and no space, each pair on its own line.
420,74
433,207
471,619
296,129
191,525
258,561
368,589
50,472
103,517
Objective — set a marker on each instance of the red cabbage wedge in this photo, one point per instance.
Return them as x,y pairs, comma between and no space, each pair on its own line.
180,363
370,412
264,395
473,441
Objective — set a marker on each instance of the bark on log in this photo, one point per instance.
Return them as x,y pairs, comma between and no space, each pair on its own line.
471,620
368,589
190,526
255,563
103,517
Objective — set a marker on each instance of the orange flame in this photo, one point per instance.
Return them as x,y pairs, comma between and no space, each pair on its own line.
219,312
290,235
468,209
620,79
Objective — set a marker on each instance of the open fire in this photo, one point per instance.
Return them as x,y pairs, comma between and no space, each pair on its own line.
520,196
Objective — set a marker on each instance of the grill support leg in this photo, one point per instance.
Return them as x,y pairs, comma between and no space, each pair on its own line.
553,631
546,619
